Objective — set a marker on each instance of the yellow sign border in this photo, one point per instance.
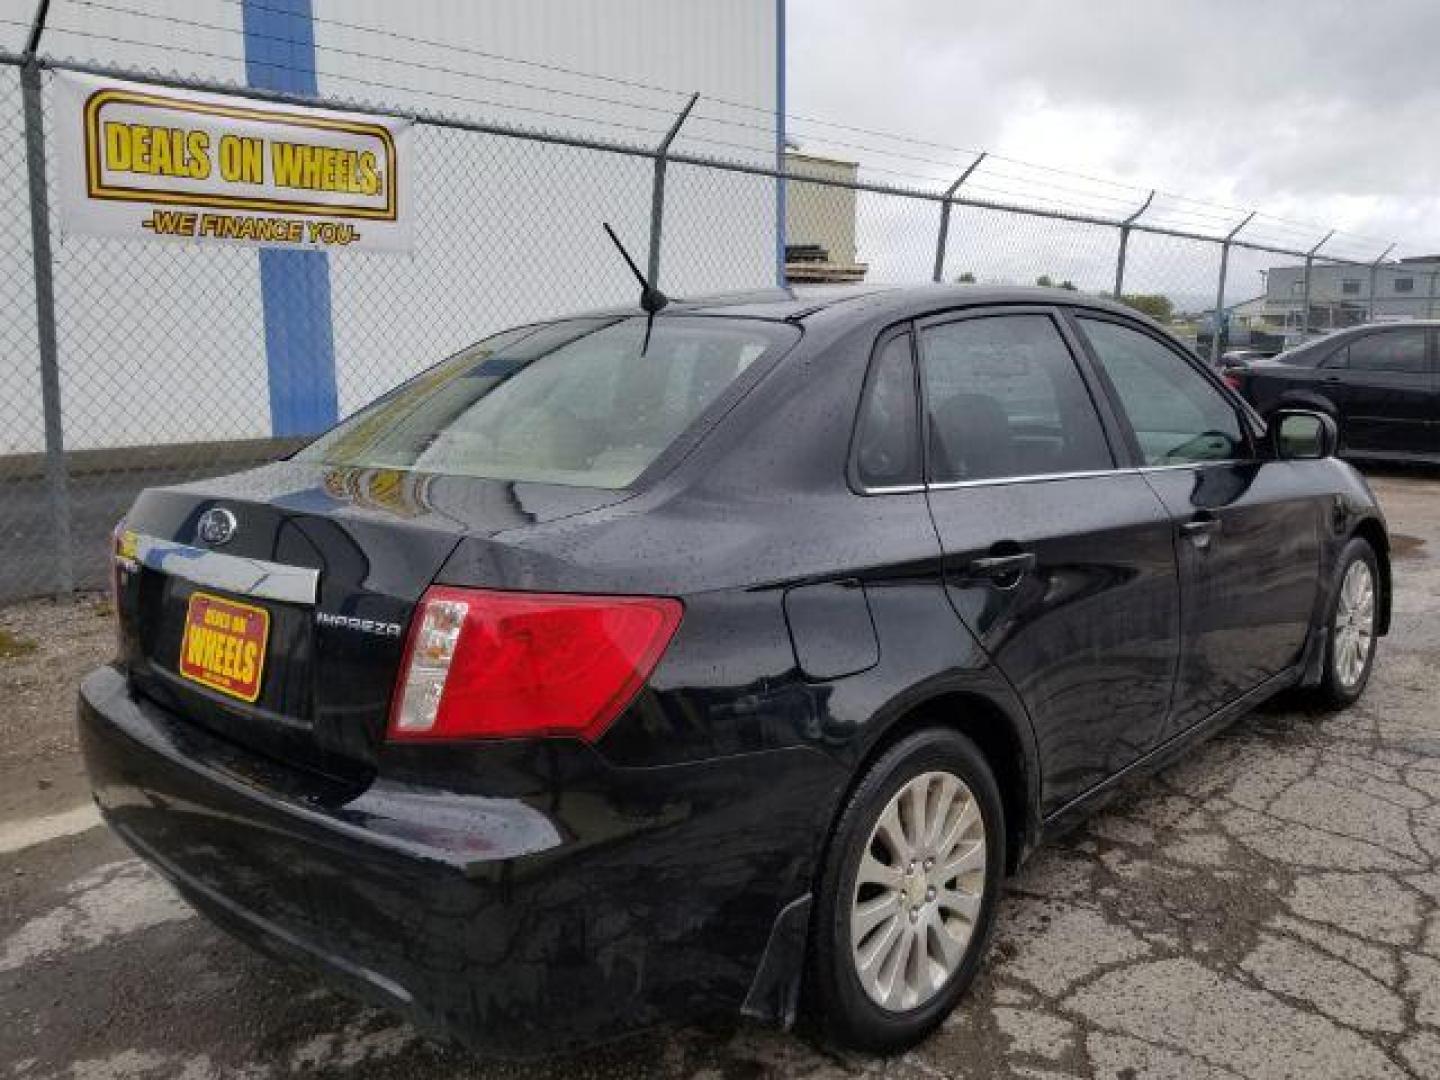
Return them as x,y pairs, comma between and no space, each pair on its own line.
99,190
264,646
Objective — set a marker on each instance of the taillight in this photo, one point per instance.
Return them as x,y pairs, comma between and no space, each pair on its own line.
115,538
122,556
486,664
1233,380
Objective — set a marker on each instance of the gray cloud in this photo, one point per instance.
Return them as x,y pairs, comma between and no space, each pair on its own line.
1310,109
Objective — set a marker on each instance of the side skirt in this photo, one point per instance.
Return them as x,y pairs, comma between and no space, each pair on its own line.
1075,811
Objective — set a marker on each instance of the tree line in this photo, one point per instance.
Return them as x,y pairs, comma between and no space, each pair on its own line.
1157,305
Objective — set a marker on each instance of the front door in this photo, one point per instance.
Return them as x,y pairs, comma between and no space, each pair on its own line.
1059,563
1248,546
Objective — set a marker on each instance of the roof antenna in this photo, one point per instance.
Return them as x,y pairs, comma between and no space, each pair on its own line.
651,298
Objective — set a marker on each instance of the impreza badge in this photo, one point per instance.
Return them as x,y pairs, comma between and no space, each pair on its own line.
365,626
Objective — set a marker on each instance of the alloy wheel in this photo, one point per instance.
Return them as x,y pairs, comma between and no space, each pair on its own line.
1354,623
918,891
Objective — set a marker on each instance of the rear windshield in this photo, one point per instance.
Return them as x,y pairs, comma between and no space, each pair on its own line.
572,402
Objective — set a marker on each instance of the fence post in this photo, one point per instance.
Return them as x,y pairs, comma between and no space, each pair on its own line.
945,217
657,193
1125,243
782,193
1220,287
1309,262
57,480
1374,270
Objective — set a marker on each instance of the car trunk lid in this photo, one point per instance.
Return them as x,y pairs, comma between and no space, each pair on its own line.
286,635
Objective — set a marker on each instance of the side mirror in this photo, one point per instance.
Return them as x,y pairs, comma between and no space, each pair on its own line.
1303,435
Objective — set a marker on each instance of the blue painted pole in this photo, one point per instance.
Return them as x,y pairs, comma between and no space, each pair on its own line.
294,285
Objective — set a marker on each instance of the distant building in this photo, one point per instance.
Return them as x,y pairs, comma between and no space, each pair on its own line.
820,222
1243,325
1253,314
1340,295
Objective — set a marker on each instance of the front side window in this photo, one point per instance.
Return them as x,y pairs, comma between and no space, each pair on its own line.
1004,398
887,438
573,402
1177,415
1397,350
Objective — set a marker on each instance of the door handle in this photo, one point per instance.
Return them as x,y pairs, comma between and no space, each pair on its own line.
1200,529
1004,570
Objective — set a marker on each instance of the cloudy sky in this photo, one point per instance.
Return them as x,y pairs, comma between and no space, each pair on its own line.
1313,110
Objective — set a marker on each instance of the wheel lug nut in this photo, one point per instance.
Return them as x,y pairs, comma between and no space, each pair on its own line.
929,864
914,914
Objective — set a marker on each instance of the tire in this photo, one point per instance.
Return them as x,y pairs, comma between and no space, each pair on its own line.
865,1011
1351,622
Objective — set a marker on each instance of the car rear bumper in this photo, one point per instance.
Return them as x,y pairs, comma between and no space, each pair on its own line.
516,925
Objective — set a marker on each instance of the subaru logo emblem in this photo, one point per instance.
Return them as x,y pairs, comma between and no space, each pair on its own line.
217,525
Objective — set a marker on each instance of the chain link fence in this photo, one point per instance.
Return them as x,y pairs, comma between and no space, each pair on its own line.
158,371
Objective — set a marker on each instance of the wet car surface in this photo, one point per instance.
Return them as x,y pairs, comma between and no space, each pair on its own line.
542,721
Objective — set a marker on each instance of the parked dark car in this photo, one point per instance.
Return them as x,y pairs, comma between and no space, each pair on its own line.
578,685
1381,384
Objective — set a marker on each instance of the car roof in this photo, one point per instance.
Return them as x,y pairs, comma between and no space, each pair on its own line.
868,302
1366,328
1328,338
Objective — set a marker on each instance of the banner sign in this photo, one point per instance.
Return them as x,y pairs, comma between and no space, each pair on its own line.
155,162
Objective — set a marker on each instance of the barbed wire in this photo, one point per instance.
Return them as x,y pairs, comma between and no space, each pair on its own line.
1206,219
1207,209
393,87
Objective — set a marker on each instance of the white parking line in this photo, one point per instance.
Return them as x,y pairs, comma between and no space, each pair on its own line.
17,835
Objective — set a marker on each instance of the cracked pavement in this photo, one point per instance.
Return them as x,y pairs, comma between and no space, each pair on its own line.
1269,907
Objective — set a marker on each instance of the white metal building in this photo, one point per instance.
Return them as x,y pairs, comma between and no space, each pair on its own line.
167,342
1341,295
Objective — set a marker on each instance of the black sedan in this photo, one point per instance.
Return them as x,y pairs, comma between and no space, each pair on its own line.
609,674
1381,384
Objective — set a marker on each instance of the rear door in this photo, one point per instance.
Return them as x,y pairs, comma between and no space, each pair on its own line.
1060,563
1383,383
1247,539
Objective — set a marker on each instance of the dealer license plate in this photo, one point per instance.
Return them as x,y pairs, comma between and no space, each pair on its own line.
224,645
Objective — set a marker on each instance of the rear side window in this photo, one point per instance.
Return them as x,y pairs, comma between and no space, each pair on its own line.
1396,350
887,438
1004,399
566,403
1177,415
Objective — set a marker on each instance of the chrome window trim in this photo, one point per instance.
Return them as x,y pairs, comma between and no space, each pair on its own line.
230,573
890,489
1041,478
1198,464
1030,478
